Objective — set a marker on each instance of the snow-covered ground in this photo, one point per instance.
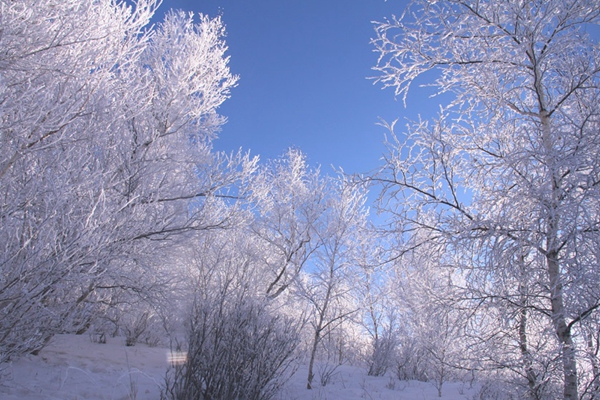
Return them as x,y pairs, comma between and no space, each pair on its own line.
72,367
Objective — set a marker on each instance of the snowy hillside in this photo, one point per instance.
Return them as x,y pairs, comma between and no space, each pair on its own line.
72,367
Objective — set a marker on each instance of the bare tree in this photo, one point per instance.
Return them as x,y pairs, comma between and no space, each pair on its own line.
515,155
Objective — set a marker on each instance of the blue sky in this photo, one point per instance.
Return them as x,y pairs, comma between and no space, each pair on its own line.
303,68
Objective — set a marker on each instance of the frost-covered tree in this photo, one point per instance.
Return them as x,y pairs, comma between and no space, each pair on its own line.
289,199
432,339
511,168
105,129
327,285
379,316
306,231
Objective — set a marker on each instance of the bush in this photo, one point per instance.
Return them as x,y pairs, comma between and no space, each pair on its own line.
383,355
412,363
236,350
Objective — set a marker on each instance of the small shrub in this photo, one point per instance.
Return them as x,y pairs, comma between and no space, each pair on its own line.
236,350
382,356
135,328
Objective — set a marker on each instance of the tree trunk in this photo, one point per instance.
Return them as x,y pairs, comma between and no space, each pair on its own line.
593,356
563,331
313,354
527,363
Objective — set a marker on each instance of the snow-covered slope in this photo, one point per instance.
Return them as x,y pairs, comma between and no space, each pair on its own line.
72,367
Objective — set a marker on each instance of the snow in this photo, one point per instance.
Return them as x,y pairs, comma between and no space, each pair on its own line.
72,367
353,383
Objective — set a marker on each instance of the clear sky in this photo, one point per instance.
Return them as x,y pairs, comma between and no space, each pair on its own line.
303,68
